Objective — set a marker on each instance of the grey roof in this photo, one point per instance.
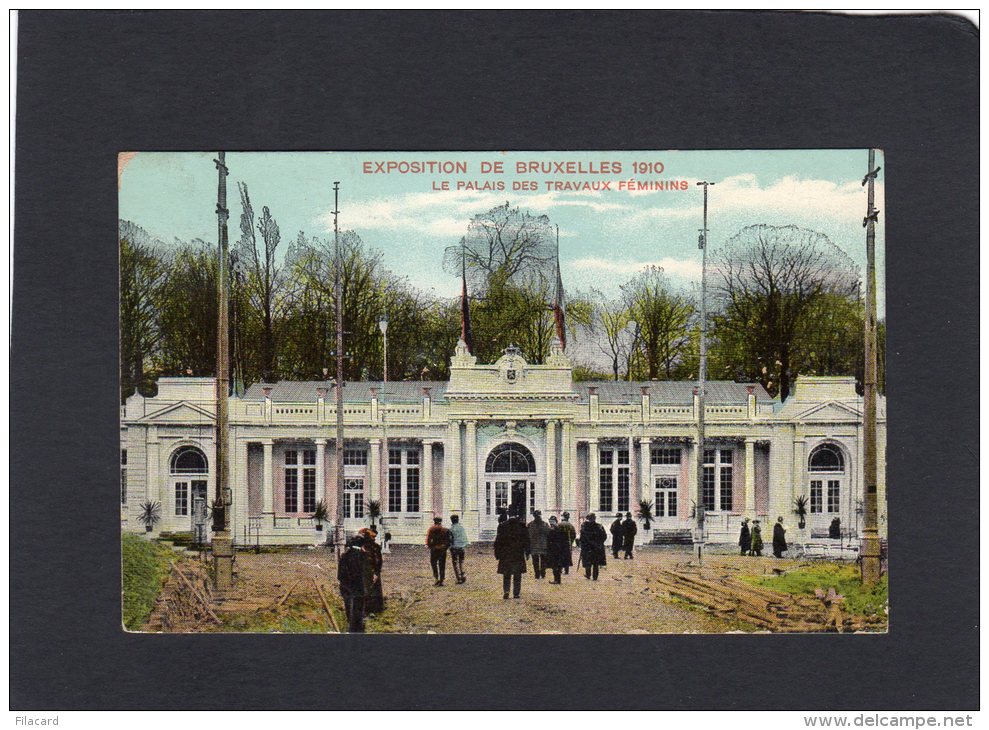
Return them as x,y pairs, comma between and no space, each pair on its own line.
304,391
673,392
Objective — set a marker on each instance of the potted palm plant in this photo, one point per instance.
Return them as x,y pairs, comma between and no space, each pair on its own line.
321,514
150,515
800,510
645,514
372,510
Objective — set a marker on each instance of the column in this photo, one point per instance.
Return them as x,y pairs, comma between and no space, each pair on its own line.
238,480
451,455
594,476
799,466
645,463
633,478
320,470
267,482
152,479
470,467
693,497
552,500
750,477
426,481
568,493
374,469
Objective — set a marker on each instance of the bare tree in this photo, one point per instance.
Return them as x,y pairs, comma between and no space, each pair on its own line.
264,278
615,331
768,283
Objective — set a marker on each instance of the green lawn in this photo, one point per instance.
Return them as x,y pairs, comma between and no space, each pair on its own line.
845,579
144,567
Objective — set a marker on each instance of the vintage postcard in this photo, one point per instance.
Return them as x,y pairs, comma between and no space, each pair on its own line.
589,392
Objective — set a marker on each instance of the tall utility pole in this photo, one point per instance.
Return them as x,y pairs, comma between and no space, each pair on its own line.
871,562
222,542
338,287
701,376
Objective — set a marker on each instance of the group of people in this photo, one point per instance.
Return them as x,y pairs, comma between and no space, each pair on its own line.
359,573
623,535
750,539
441,540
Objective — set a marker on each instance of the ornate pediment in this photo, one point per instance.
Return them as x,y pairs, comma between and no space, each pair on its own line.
183,412
830,411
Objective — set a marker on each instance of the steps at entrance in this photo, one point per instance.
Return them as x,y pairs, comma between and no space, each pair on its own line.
672,537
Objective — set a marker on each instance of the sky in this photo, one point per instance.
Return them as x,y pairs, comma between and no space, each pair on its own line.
606,236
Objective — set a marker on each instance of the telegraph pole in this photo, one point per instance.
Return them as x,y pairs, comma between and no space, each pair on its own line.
222,543
871,561
701,376
338,286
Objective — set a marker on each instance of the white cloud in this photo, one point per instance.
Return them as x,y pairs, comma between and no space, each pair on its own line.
685,268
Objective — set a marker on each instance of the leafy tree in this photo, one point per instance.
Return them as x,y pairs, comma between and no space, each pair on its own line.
615,331
663,318
189,313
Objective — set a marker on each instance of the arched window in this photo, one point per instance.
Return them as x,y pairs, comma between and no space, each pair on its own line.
827,457
510,458
189,460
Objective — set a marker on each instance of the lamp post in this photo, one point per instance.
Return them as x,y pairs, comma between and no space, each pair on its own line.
386,454
701,375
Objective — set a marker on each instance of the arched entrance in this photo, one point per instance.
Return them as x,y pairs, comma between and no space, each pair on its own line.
189,486
509,482
828,487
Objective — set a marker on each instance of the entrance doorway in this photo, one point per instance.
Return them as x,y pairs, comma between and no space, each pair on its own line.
509,483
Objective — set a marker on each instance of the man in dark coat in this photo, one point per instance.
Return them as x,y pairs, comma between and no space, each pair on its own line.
592,550
834,530
571,536
617,536
629,531
558,549
375,602
511,548
745,538
538,533
756,539
779,538
438,540
354,583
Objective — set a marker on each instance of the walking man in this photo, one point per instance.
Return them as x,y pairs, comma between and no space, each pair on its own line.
511,548
557,549
538,532
438,541
592,550
458,536
779,538
629,531
756,539
617,535
354,584
745,538
571,533
373,562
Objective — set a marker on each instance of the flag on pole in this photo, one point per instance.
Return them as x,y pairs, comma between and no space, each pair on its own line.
559,300
465,330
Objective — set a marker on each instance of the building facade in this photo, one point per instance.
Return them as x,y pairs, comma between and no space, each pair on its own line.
510,435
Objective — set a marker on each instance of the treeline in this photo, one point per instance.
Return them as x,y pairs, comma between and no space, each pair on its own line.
782,302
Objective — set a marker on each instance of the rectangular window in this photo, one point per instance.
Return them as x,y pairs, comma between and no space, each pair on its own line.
665,456
412,456
309,490
292,457
181,498
487,498
708,456
394,490
532,497
726,456
291,490
707,493
623,456
607,455
726,489
606,490
412,490
816,496
355,457
501,496
309,457
395,456
623,488
666,497
123,457
834,494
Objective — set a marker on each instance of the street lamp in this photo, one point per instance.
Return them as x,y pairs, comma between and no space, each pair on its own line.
701,377
385,457
383,326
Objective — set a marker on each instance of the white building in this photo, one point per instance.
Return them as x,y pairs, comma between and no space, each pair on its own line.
508,435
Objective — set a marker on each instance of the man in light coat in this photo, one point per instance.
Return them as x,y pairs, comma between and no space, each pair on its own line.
538,546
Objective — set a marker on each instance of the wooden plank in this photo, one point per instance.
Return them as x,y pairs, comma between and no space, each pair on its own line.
202,600
326,605
287,594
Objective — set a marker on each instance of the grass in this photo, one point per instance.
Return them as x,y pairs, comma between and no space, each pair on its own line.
845,579
144,567
268,622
